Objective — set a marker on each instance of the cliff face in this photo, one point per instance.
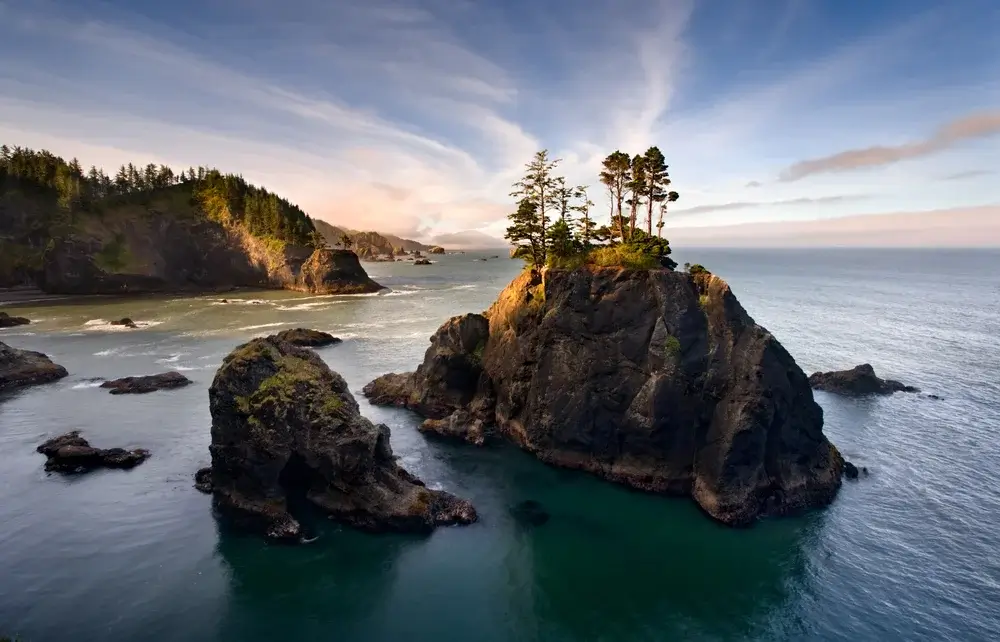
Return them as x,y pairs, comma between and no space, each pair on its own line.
655,379
144,250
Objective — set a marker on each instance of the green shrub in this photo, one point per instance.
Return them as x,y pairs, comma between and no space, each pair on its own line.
623,256
672,346
697,268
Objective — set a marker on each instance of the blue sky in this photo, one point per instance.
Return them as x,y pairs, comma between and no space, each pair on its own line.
415,117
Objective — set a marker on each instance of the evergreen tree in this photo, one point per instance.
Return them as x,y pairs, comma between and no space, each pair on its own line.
616,176
636,185
539,186
656,181
585,224
525,231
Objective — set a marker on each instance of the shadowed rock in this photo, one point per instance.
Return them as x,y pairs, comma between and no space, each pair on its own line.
71,453
436,250
858,381
126,322
146,383
7,321
307,338
655,379
422,262
284,427
25,368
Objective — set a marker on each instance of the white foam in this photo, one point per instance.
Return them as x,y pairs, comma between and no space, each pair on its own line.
263,325
240,302
103,325
86,384
189,368
316,305
174,358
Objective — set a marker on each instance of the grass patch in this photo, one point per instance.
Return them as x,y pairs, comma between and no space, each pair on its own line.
672,346
622,256
114,255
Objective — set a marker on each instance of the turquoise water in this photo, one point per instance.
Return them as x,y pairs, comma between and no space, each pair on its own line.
908,554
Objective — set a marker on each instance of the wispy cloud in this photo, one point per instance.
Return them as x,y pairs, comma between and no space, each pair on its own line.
753,184
978,125
972,173
746,205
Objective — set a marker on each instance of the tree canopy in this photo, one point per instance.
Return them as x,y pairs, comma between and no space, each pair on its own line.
223,197
636,186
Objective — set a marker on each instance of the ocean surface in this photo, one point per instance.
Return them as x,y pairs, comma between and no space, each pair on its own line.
910,553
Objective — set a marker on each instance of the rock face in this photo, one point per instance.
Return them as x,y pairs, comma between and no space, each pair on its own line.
71,453
25,368
655,379
285,427
171,253
307,338
146,383
7,321
858,381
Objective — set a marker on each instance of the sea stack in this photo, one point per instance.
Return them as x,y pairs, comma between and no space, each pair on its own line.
285,426
656,379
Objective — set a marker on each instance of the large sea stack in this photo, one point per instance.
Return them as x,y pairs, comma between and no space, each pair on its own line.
284,427
655,379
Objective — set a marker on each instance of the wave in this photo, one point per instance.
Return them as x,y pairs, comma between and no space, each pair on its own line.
264,325
4,333
86,384
174,358
316,305
103,325
241,302
190,368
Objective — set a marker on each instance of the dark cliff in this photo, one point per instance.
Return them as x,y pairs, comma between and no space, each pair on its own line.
655,379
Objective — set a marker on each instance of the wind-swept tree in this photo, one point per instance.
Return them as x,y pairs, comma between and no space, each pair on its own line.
525,232
655,183
615,175
539,186
585,224
670,198
636,184
346,241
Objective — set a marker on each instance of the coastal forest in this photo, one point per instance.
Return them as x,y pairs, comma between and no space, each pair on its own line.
554,226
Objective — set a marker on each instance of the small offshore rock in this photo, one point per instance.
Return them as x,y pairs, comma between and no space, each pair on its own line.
146,383
26,368
436,250
7,321
858,381
421,262
125,322
850,470
307,338
71,453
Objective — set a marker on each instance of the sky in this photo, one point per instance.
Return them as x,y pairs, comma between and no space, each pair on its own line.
414,117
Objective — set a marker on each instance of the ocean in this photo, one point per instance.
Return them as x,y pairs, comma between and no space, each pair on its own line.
909,553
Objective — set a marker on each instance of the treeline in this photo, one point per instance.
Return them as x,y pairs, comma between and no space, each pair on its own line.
224,197
553,224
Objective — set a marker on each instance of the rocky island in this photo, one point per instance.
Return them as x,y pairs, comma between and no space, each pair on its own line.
71,453
651,378
858,381
284,428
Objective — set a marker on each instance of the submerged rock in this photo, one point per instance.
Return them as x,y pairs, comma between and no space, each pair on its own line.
850,470
422,262
71,453
7,321
530,512
860,380
285,427
126,322
26,368
655,379
146,383
307,338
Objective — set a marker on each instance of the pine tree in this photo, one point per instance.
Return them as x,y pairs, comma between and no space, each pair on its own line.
636,185
616,176
585,224
656,182
539,186
525,231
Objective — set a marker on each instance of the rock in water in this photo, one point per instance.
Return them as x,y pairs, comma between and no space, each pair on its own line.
146,383
126,322
421,262
284,426
436,250
655,379
330,271
71,453
859,380
307,338
7,321
25,368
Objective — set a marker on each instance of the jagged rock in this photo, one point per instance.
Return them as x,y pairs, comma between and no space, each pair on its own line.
655,379
7,321
25,368
857,381
146,383
460,424
203,480
850,470
436,250
307,338
71,453
421,262
126,322
330,271
285,426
